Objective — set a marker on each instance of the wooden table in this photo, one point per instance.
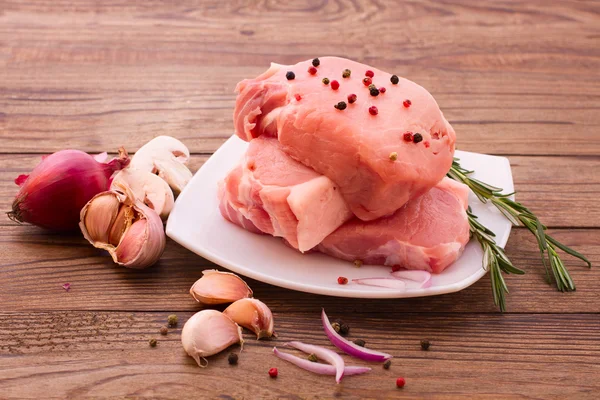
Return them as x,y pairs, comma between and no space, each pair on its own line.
516,80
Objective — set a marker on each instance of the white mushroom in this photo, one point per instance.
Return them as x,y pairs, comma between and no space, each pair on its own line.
147,188
164,156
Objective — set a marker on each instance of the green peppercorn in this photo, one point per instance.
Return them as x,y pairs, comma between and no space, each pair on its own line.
346,73
313,358
341,105
232,359
316,62
425,344
394,79
336,326
172,320
386,365
152,342
325,81
372,86
359,342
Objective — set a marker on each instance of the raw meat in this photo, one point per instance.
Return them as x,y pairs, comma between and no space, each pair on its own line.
351,147
270,192
428,233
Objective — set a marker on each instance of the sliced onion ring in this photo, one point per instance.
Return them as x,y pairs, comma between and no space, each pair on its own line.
324,354
389,283
350,348
318,368
414,279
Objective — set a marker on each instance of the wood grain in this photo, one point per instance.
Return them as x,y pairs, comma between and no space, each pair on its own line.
514,78
104,354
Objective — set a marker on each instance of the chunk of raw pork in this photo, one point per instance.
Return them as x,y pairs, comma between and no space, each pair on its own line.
351,145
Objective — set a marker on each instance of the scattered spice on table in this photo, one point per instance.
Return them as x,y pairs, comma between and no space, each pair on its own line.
313,358
359,342
152,342
67,286
400,382
387,364
425,344
273,373
172,320
336,326
164,330
232,359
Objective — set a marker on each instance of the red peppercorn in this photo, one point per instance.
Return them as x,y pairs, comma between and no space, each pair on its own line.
370,73
382,90
298,97
426,145
335,85
373,110
367,81
312,70
406,103
400,382
351,98
273,372
408,137
342,280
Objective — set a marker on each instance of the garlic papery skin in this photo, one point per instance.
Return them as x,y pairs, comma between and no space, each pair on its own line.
209,332
252,314
148,188
134,237
216,287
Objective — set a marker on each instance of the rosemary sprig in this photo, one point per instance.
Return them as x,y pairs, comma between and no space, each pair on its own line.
495,259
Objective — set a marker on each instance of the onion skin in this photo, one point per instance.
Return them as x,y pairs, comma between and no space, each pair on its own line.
53,195
350,348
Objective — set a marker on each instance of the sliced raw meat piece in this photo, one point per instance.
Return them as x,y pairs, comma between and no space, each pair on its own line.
352,147
270,192
428,233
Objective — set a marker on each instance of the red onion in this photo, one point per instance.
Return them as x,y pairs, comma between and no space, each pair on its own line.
390,283
414,279
324,354
318,368
348,347
53,195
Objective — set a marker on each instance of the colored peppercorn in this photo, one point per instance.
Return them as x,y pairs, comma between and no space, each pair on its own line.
316,62
393,156
373,110
417,137
426,145
386,365
374,92
351,98
172,320
408,137
346,73
298,97
232,359
372,86
342,280
406,103
367,81
312,70
369,73
382,89
336,326
335,85
400,382
273,372
325,81
313,358
290,75
344,329
394,79
152,342
358,263
359,342
340,106
164,330
425,344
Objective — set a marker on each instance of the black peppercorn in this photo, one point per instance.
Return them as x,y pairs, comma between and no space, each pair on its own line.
326,81
316,62
341,105
394,79
290,75
374,92
346,73
232,359
359,342
425,344
152,342
417,137
386,365
344,329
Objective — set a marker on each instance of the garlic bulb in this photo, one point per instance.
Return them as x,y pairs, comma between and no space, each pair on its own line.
209,332
216,287
131,232
252,314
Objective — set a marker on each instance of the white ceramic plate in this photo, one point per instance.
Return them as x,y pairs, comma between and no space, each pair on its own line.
196,224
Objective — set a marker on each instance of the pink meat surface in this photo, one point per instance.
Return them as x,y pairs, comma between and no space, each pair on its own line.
351,147
428,233
271,193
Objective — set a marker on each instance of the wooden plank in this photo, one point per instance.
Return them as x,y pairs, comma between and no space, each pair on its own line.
506,87
562,191
104,354
35,265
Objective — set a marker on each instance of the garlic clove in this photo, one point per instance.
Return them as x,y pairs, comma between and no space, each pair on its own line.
148,188
120,225
100,216
209,332
216,287
252,314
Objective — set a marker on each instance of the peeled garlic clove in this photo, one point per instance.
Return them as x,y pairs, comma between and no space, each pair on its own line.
252,314
100,216
216,287
148,188
209,332
134,237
